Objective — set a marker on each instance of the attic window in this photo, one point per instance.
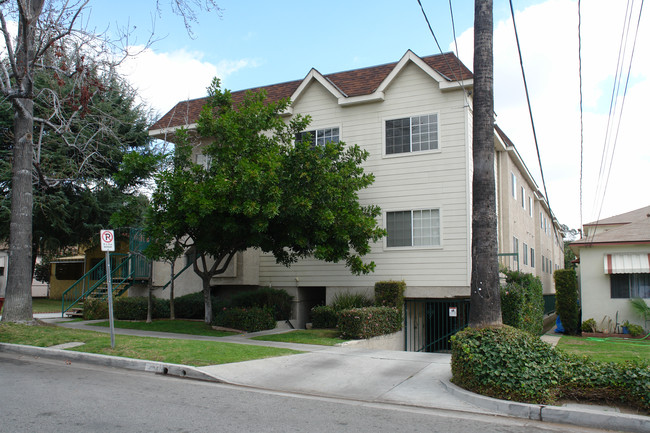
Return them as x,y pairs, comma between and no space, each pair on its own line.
412,134
319,136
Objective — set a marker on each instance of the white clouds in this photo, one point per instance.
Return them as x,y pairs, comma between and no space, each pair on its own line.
163,79
548,34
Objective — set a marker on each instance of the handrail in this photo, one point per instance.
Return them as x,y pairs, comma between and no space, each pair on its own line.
83,287
177,274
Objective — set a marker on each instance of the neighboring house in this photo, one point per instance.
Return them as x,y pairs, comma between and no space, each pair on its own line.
614,256
414,117
39,289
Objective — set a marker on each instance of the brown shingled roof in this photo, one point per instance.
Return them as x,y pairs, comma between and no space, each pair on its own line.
357,82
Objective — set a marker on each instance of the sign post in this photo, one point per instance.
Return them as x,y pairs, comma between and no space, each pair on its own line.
107,239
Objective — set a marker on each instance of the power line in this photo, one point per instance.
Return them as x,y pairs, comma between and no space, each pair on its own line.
530,110
581,110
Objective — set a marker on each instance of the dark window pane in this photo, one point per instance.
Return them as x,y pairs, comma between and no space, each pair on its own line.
620,285
398,226
639,285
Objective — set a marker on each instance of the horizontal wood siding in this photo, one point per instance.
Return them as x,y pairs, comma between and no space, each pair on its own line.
420,180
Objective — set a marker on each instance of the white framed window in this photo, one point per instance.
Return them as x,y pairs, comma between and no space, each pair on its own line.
532,257
530,206
412,134
541,221
515,247
318,137
543,263
204,160
513,183
413,228
525,253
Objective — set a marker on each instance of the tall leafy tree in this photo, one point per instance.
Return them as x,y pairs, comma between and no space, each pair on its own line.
261,189
42,27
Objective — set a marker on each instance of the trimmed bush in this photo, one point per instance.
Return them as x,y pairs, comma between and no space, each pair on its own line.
95,309
522,302
589,325
278,301
369,322
346,301
566,299
507,363
247,319
390,293
192,307
324,316
136,308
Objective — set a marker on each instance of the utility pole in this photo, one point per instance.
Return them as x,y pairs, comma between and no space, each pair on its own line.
485,299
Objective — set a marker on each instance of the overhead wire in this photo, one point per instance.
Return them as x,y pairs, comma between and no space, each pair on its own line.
581,108
615,91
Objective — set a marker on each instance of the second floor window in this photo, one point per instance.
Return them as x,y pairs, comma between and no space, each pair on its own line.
412,134
413,228
318,137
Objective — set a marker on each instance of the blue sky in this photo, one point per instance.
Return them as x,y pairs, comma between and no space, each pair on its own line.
262,42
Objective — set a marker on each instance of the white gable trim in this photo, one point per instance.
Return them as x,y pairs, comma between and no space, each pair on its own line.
315,75
163,132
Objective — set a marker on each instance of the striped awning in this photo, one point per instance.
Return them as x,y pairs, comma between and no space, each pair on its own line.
627,263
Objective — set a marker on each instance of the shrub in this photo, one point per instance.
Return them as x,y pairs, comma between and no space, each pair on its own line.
634,330
522,302
507,363
192,306
278,301
390,293
369,322
95,309
346,301
248,319
589,325
324,316
566,299
136,308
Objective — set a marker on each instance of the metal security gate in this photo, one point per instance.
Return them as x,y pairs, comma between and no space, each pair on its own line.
429,323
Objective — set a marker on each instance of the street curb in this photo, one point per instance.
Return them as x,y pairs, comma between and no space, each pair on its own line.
177,370
555,414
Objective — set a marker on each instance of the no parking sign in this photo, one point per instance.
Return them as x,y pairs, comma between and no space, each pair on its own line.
107,238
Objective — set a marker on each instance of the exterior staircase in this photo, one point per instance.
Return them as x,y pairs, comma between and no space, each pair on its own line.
126,270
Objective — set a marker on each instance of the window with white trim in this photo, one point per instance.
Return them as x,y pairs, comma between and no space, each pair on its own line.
523,197
530,206
204,160
515,247
318,137
412,134
513,182
532,257
413,228
525,253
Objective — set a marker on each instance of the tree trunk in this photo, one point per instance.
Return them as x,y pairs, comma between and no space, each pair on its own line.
207,299
18,302
485,300
18,306
172,313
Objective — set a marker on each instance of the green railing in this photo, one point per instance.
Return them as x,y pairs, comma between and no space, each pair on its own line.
123,273
176,275
509,260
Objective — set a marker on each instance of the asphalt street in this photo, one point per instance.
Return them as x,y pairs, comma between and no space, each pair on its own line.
47,395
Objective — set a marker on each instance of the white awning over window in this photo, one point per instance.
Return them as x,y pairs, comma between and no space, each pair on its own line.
627,263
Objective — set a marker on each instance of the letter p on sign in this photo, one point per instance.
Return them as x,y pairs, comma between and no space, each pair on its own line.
107,239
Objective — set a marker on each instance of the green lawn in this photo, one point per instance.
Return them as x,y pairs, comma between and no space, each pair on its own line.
191,327
323,337
195,353
608,349
45,305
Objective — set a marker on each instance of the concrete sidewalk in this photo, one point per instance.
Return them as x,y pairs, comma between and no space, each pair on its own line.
378,376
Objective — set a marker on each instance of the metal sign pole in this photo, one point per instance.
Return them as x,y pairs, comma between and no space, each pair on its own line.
109,284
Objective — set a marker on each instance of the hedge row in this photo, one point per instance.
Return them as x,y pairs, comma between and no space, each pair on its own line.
125,308
369,322
522,302
566,299
247,319
507,363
